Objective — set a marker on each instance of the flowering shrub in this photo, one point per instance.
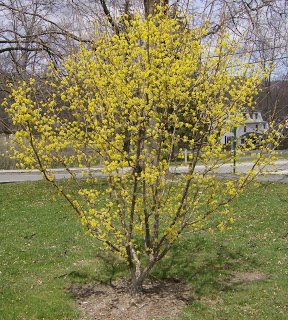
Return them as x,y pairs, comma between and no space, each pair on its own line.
133,101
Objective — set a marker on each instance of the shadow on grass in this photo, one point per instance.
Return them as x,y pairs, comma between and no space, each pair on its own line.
204,264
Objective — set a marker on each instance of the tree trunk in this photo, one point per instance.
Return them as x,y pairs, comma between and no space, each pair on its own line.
150,6
136,285
138,276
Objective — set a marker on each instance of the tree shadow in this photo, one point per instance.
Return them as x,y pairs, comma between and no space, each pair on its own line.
204,264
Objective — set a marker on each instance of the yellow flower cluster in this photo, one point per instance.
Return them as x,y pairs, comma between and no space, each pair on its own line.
131,103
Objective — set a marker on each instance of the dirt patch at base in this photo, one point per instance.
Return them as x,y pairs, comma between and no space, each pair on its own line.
114,302
244,277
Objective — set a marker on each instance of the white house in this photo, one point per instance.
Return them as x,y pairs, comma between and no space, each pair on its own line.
254,124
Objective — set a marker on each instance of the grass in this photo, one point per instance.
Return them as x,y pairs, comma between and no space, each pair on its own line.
44,250
258,242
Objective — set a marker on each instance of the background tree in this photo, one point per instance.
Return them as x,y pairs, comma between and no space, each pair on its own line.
152,81
35,33
261,26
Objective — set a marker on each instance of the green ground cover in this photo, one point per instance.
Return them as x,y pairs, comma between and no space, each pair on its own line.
43,250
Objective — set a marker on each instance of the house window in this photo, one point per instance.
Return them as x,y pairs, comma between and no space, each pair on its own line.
256,115
264,126
256,126
245,128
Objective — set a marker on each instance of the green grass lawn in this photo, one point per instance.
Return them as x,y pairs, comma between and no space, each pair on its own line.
43,250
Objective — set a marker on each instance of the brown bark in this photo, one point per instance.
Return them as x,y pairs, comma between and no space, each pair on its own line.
150,6
138,275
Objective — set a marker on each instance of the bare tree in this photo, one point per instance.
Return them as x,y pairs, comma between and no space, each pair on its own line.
35,33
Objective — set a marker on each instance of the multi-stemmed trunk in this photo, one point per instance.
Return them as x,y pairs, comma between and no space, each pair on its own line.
138,275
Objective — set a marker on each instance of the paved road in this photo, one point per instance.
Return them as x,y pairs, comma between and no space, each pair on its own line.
280,167
277,172
10,176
